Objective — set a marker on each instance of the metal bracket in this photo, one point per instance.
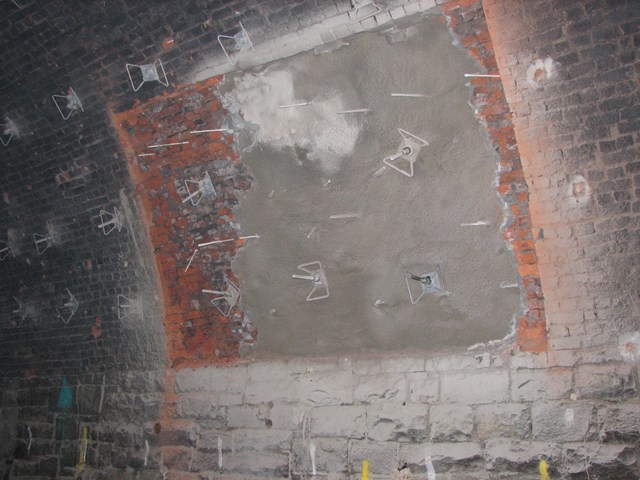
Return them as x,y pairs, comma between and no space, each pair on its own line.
363,9
128,306
6,249
408,151
429,283
73,103
230,296
315,273
241,43
110,221
43,242
204,189
9,130
150,73
19,312
68,310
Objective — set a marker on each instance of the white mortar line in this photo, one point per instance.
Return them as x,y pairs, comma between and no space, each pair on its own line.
303,104
212,130
357,110
480,75
161,145
191,259
411,95
312,452
479,223
215,242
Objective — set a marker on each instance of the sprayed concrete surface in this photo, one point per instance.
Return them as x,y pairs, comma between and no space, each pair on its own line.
310,163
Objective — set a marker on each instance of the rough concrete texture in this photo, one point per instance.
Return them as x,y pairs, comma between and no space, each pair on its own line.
312,162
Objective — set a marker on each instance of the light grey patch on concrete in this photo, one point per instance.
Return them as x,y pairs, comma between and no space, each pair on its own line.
450,423
313,163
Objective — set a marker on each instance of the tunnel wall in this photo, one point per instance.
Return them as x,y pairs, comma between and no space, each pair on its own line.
565,392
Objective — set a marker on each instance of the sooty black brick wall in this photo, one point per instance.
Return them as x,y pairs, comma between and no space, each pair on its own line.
59,174
56,177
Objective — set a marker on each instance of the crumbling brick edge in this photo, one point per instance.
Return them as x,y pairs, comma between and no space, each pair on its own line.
467,23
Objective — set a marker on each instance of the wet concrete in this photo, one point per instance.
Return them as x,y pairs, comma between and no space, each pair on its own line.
311,163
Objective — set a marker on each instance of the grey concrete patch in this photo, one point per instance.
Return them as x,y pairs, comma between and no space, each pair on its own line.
312,163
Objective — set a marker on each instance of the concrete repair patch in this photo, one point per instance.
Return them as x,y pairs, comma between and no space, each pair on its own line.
312,163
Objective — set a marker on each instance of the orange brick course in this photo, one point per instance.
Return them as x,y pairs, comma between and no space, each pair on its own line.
466,21
198,334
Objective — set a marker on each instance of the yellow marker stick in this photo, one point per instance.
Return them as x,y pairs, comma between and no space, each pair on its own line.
365,470
543,468
82,458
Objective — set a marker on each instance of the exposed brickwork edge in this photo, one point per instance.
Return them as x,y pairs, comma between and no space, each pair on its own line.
466,21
